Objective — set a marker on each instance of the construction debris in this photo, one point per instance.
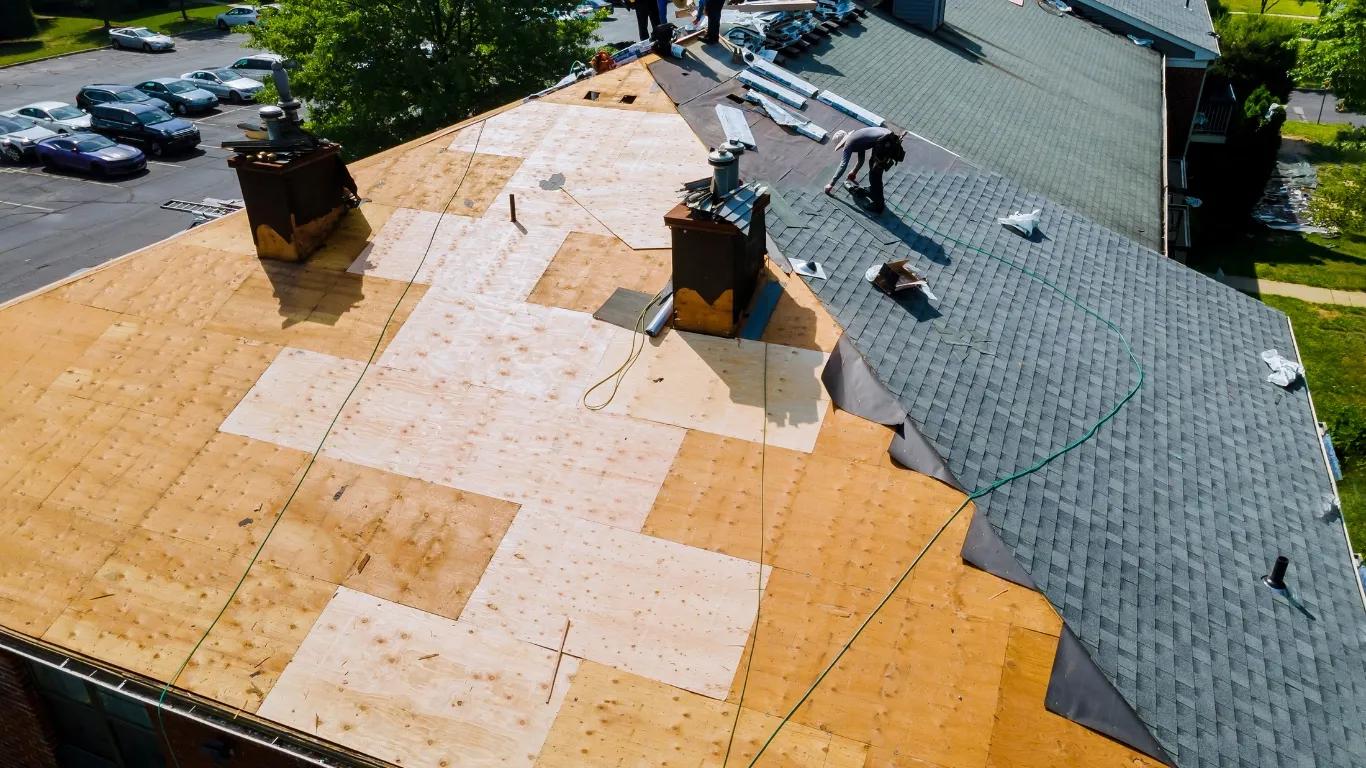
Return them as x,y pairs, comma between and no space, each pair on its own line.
736,126
787,119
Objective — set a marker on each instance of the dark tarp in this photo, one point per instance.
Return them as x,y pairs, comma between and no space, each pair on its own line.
623,308
854,388
1079,691
984,549
911,450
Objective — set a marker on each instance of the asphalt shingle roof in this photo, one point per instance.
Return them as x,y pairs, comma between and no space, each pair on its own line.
1188,22
1152,537
1061,106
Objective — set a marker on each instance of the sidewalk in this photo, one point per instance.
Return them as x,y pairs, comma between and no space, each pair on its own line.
1293,290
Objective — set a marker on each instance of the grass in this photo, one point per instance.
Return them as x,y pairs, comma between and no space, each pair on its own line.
1286,7
68,34
1332,340
1338,263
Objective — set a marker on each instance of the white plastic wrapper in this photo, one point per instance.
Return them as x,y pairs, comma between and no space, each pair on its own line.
1284,371
1024,223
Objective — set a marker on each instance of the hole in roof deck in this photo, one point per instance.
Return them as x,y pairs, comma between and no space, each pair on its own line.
628,99
592,95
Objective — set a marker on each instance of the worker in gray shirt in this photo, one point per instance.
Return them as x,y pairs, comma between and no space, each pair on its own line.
887,151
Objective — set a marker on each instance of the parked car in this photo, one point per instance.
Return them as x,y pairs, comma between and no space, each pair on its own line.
226,84
54,116
140,38
239,15
92,153
151,127
91,95
183,96
258,66
18,135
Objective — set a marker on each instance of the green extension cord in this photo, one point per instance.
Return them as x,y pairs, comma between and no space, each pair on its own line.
983,491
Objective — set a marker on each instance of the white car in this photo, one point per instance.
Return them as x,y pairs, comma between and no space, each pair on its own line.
239,15
54,116
140,38
19,137
258,66
226,84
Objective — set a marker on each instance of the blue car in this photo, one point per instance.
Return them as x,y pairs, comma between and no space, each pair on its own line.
92,153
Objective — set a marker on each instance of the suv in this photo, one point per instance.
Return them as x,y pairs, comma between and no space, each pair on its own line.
91,95
145,125
258,66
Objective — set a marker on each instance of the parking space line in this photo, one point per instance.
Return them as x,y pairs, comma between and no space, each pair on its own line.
43,175
26,205
158,162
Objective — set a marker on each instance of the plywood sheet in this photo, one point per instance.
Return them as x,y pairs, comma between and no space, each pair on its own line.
420,690
396,251
43,336
614,718
669,612
921,679
718,385
355,233
588,268
629,87
852,438
337,313
44,443
1029,736
171,283
229,494
434,178
294,402
50,551
515,133
799,319
543,353
164,370
416,543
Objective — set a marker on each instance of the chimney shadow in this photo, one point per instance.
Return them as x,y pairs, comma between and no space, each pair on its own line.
307,294
947,37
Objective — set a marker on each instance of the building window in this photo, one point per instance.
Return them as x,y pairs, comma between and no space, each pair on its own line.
96,728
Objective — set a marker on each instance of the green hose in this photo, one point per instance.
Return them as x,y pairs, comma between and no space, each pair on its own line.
984,490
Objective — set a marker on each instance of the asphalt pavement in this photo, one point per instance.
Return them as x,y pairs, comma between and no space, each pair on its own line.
1319,107
53,224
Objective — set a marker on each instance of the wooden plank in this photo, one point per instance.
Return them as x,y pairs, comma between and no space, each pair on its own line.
295,401
396,250
628,87
718,385
588,268
616,718
43,336
800,320
415,543
173,283
546,353
433,178
50,551
417,689
669,612
1029,736
853,438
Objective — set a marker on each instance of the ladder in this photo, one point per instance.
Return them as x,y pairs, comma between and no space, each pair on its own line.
206,210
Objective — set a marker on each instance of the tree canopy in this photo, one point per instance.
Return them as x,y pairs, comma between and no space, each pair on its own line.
16,20
375,73
1256,51
1334,52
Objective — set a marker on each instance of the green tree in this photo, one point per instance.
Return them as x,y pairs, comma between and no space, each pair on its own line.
1255,51
1334,52
1340,200
375,73
16,20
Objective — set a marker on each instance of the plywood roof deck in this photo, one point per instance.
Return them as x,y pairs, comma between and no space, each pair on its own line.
467,524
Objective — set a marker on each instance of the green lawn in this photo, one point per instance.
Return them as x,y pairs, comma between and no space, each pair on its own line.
1287,7
1332,340
1327,262
67,34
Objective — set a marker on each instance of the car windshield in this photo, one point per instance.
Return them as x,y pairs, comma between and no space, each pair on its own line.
9,123
94,144
131,95
226,75
144,33
179,86
152,117
65,113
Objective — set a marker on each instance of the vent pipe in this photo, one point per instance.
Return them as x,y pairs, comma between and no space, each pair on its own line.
1276,579
725,172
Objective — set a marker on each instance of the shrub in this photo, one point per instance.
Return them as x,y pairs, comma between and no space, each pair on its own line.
1257,51
1340,200
16,20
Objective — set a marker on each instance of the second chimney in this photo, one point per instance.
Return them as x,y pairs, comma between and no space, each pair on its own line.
926,14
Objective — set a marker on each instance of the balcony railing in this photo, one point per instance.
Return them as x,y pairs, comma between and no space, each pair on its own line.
1215,112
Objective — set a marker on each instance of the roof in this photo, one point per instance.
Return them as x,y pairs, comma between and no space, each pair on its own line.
1066,108
1180,21
477,569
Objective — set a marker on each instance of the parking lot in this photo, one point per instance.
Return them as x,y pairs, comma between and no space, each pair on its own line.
54,223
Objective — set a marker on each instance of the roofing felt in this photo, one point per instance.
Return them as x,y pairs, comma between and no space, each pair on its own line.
1151,538
1184,20
1066,108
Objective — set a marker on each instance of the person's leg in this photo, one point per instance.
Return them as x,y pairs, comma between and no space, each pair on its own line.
643,18
714,20
664,15
875,182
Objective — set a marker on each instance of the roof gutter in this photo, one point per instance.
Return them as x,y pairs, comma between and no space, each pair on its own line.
1328,468
305,749
1165,196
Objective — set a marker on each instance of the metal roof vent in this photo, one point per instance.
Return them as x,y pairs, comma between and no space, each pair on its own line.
926,14
1276,579
725,172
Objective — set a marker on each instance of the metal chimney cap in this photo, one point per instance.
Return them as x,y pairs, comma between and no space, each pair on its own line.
271,112
720,157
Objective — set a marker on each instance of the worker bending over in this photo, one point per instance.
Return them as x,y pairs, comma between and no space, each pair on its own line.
887,152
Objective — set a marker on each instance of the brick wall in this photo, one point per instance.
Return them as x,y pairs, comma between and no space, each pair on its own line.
26,736
1183,98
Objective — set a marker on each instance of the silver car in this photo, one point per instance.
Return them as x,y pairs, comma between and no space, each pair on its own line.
18,137
54,116
226,84
140,38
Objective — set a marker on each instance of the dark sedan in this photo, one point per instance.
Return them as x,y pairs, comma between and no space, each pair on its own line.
92,153
183,96
144,125
91,95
